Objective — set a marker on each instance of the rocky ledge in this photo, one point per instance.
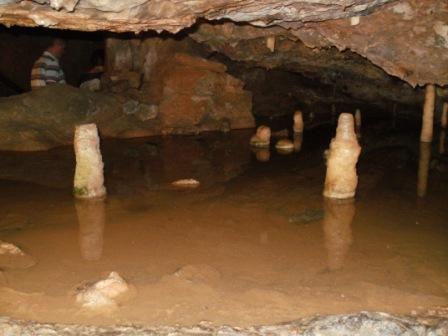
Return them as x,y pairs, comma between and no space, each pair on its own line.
364,323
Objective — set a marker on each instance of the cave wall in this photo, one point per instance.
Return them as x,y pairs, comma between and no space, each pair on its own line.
21,47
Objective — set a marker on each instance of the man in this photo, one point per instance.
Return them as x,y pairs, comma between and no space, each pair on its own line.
46,69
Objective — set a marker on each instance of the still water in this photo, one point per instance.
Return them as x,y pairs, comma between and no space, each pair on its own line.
256,243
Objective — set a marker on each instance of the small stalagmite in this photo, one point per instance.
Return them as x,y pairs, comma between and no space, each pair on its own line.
298,122
358,122
341,179
270,43
428,114
262,138
89,179
444,117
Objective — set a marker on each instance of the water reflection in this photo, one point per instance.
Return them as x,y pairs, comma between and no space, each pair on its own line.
337,223
442,140
298,140
423,168
262,154
92,219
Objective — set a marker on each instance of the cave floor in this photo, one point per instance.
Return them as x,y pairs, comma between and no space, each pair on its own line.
254,244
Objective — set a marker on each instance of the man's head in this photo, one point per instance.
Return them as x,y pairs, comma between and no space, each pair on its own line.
57,48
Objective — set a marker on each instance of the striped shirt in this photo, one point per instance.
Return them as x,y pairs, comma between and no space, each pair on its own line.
46,70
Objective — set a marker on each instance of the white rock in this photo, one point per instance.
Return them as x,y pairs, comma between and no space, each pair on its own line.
103,293
11,249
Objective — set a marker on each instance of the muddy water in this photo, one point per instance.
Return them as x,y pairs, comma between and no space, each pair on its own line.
255,243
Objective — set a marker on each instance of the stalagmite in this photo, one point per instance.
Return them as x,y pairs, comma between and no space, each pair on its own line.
270,43
423,168
428,114
444,117
298,122
89,179
262,138
284,146
358,123
341,179
298,140
337,223
91,218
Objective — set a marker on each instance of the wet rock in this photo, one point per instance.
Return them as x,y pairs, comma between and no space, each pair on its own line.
13,257
105,293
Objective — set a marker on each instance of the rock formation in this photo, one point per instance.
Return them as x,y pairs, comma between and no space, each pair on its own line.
103,294
262,138
341,179
89,175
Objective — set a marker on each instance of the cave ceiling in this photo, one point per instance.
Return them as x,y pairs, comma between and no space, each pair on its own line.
406,38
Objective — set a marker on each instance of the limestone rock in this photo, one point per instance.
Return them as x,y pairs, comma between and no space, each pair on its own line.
198,95
105,293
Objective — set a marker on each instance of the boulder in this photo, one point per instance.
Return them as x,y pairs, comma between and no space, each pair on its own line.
198,95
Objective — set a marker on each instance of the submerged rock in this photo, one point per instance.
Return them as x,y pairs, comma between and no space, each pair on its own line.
13,257
105,293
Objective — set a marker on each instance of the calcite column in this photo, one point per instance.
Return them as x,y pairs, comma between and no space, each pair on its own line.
337,223
423,168
341,179
298,140
91,218
428,114
89,179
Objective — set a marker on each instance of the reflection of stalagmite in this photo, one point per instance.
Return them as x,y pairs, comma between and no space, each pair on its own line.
444,117
298,140
298,122
262,138
423,168
91,219
262,154
337,230
442,141
341,179
428,114
358,123
89,179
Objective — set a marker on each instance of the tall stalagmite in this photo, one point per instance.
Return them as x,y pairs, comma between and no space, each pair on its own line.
428,114
89,179
341,179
